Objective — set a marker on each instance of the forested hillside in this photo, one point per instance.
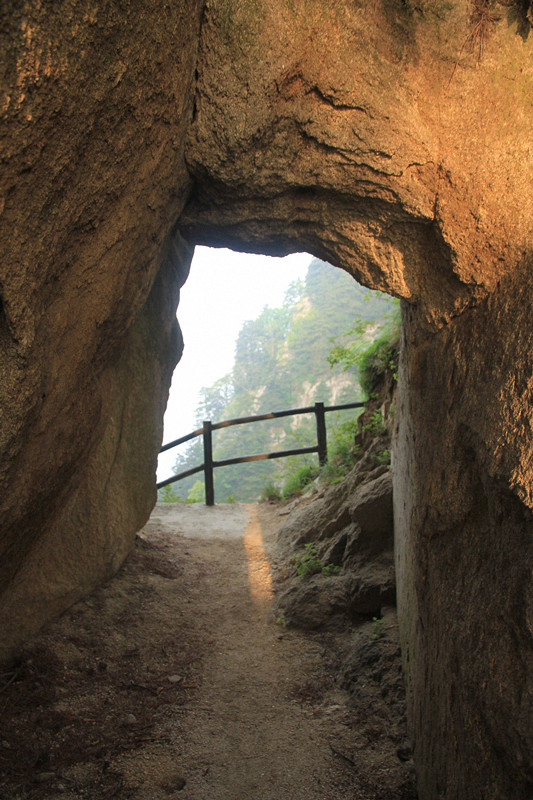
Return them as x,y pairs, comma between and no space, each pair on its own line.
281,362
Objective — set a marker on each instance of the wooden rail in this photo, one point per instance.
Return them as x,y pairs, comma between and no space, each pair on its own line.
321,447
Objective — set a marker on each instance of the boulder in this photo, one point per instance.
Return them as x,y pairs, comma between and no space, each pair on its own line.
352,531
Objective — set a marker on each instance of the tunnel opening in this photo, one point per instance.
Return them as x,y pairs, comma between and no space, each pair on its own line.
295,338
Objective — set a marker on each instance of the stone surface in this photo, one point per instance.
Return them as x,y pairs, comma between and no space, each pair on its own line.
86,539
95,104
391,138
351,528
464,547
369,135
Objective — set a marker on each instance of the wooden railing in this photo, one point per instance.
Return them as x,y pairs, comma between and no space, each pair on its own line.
321,447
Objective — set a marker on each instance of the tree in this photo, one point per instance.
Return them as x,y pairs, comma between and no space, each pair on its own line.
279,358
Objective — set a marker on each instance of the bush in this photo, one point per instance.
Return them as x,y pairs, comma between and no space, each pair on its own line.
381,357
308,563
376,424
342,451
168,494
370,363
298,480
271,493
196,493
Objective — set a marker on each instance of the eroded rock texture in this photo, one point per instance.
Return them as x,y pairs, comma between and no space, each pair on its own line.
95,105
463,478
391,138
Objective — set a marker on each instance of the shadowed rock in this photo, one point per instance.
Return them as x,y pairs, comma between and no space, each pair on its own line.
392,139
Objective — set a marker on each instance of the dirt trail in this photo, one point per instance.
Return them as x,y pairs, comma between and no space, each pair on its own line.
247,735
173,681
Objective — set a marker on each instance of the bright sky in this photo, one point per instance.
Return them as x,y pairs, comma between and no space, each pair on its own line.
224,289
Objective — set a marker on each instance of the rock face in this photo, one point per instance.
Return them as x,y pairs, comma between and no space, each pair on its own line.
351,530
392,139
340,541
95,105
464,547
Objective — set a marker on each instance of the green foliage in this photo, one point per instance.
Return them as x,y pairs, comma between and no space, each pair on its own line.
214,399
380,357
308,563
196,493
377,624
168,494
271,492
257,348
348,353
384,458
331,569
296,481
342,451
280,362
375,425
369,348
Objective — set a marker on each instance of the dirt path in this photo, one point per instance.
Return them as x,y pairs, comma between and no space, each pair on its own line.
173,681
246,734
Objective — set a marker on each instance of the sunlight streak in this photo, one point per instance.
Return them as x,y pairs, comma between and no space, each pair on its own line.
259,572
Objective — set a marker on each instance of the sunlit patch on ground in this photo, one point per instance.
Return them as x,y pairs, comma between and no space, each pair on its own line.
259,572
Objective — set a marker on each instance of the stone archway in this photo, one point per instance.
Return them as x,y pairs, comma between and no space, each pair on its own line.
367,134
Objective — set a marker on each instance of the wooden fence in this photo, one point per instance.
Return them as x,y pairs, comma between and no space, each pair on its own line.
321,447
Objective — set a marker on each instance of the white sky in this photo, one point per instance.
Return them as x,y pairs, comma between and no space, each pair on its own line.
223,290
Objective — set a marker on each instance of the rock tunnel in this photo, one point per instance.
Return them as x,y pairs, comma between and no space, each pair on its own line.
392,139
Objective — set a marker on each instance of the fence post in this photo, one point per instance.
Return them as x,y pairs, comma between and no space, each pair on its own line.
321,437
208,465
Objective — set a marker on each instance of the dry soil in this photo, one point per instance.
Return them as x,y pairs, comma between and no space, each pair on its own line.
174,681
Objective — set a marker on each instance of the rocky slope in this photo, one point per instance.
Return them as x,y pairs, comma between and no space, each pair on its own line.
338,579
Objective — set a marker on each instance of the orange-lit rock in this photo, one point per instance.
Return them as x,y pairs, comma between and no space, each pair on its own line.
391,138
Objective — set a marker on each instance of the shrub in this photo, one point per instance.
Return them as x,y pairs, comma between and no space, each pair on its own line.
196,493
168,494
375,425
308,563
342,451
298,480
381,357
271,493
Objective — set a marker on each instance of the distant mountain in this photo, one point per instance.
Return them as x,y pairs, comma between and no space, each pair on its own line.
281,363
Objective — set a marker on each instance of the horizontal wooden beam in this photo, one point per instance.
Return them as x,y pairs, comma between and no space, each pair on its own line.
321,448
264,456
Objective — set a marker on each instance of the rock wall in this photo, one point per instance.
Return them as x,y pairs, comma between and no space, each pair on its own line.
391,138
464,546
95,104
